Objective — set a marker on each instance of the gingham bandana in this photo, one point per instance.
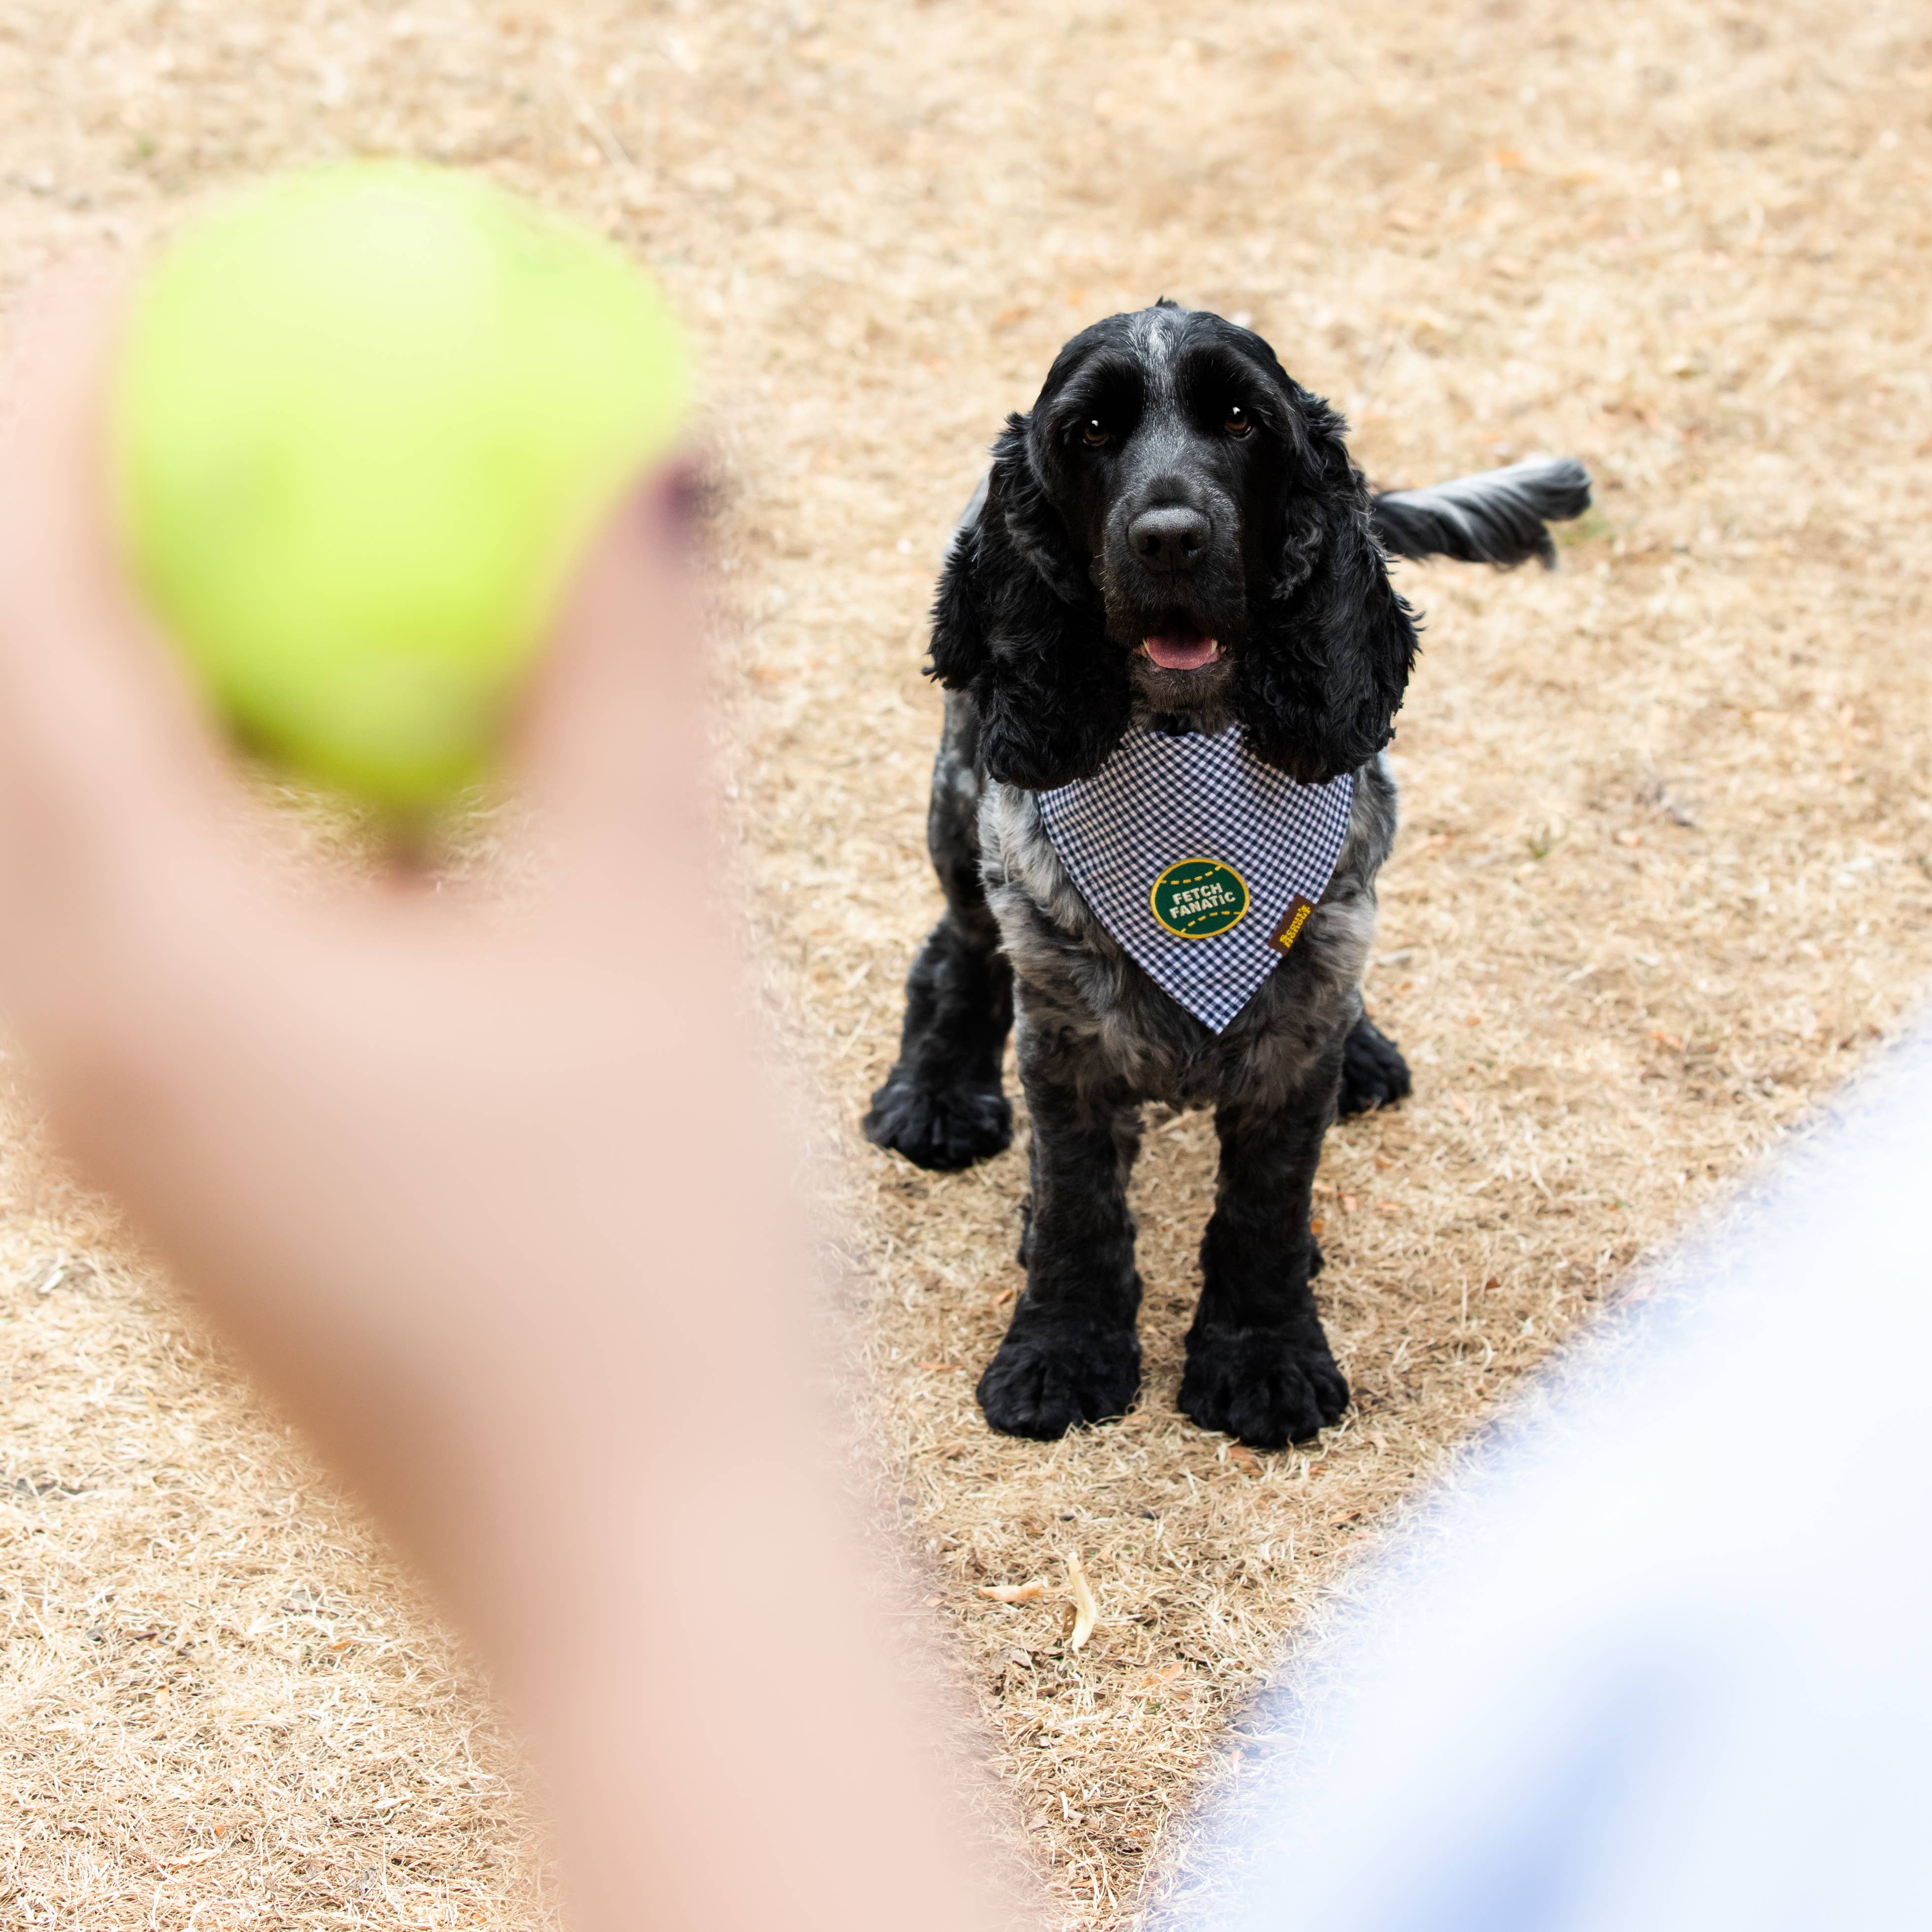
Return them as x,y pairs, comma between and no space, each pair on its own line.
1202,861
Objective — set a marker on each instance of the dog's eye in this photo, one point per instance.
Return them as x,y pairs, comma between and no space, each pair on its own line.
1238,422
1094,434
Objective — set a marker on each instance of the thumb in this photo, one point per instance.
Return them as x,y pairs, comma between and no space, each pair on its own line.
611,742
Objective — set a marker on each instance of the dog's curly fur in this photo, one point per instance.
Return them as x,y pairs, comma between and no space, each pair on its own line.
1172,482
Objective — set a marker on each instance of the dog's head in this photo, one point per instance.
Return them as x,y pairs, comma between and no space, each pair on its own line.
1174,532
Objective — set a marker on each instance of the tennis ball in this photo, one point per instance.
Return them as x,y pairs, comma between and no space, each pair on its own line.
367,419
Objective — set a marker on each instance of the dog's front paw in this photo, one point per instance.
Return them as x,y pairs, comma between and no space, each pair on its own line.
1043,1384
1265,1386
943,1128
1374,1073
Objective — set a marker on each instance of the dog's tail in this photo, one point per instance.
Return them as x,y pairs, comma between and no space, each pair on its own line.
1496,516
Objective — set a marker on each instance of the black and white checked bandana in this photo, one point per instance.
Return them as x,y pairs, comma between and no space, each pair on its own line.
1202,861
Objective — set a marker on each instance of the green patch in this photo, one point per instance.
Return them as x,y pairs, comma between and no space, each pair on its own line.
1592,526
1198,899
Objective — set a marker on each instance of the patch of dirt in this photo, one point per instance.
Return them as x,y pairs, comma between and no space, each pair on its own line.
1663,877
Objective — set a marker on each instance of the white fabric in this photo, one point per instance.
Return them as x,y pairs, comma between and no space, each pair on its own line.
1164,798
1658,1658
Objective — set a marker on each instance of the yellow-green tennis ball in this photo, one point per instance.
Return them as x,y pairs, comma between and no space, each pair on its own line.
367,420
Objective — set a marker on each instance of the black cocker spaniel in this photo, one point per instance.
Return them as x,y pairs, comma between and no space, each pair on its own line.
1174,538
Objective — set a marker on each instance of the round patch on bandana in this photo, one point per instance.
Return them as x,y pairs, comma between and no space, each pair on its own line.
1198,899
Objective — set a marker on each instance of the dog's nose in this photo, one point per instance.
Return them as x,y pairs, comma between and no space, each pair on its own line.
1168,537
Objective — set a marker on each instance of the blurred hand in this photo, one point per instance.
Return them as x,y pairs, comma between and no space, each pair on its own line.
489,1194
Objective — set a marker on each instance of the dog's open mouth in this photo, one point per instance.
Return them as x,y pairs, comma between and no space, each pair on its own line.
1174,648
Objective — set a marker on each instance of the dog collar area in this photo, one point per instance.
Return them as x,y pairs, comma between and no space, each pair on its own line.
1204,862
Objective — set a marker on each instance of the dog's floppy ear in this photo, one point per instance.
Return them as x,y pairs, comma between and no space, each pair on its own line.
1335,642
1018,624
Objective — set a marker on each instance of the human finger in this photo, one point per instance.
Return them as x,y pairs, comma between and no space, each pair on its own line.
611,740
103,752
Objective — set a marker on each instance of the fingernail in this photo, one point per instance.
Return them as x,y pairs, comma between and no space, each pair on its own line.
673,501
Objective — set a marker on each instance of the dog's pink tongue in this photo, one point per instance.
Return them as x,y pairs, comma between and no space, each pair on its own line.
1181,653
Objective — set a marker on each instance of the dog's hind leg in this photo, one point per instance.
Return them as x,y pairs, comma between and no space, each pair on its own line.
943,1106
1071,1354
1258,1364
1374,1073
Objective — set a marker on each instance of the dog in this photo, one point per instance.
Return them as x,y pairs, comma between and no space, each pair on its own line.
1174,540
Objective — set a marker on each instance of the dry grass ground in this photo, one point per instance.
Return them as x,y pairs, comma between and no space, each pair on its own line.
1664,875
